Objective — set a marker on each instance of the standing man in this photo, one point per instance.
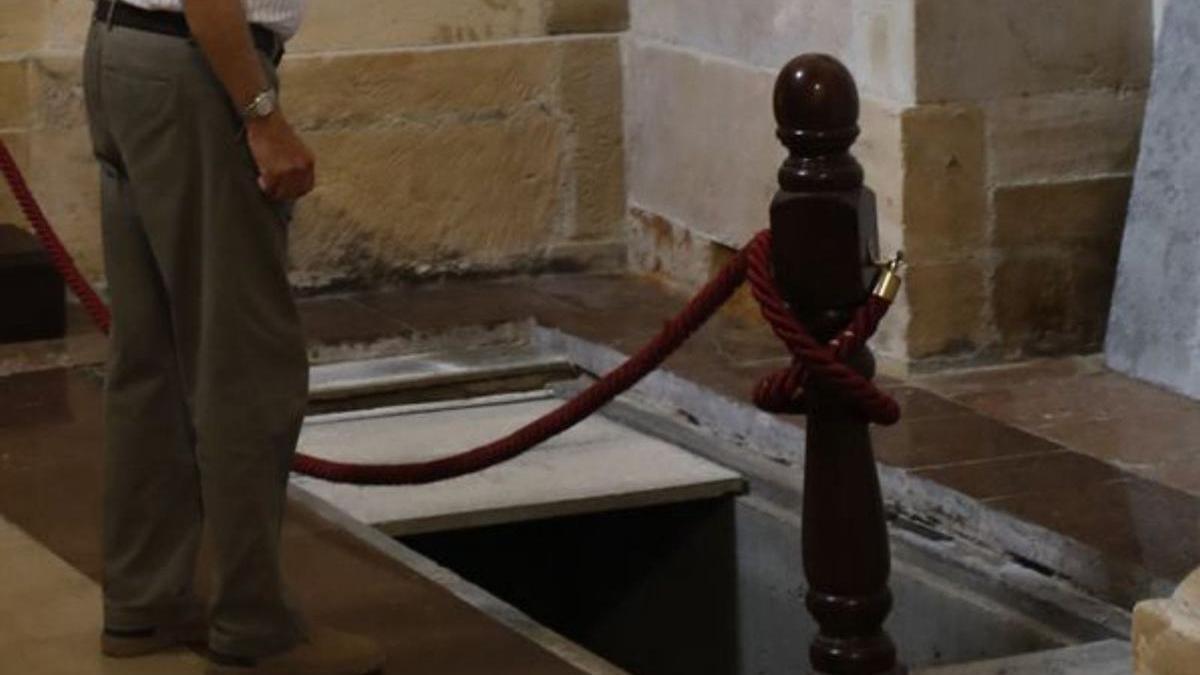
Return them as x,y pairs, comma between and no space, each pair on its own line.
208,375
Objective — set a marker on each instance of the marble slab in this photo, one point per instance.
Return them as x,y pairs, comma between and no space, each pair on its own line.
359,377
1154,327
597,466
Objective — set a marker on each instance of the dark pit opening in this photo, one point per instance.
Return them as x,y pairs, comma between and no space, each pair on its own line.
652,590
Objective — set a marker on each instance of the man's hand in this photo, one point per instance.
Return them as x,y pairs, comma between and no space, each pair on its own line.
286,168
285,165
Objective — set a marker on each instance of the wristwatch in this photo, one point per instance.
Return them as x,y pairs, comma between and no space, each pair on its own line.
262,106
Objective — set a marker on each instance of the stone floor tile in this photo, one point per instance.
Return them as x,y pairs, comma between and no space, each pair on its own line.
918,403
1134,443
1092,397
955,382
944,441
1183,475
1132,519
1138,427
1058,470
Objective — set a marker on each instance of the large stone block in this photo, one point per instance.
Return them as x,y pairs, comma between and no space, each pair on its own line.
419,199
988,49
63,174
880,150
586,16
873,37
945,195
344,91
337,25
569,187
1047,302
1032,299
1084,215
1155,328
67,24
945,303
764,33
701,141
1058,246
57,85
22,25
1054,136
882,52
591,97
16,100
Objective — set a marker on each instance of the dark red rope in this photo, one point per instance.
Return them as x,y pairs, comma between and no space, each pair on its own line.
781,392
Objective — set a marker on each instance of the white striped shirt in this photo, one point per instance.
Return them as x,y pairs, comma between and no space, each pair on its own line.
281,16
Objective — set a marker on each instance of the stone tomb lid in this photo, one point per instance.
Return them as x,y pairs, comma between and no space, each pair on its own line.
597,466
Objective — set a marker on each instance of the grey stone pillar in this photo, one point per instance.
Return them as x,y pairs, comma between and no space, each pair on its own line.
1154,327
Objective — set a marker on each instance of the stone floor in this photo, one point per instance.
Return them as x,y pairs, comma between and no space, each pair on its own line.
1062,444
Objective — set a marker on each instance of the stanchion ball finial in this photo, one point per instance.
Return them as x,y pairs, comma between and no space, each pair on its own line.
816,105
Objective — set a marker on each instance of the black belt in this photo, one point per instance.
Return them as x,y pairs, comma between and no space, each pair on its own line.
174,23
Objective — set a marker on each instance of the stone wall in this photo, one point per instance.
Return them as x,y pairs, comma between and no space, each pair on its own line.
1058,90
460,136
999,136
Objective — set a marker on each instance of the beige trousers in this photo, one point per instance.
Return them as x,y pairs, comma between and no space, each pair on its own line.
207,380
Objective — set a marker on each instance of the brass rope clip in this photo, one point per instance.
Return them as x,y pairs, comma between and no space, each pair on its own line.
887,286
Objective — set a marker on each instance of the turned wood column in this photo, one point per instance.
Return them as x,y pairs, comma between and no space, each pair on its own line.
824,227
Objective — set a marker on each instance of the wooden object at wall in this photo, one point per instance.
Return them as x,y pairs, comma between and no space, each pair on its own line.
825,240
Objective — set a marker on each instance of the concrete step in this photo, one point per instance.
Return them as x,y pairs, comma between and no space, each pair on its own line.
1111,657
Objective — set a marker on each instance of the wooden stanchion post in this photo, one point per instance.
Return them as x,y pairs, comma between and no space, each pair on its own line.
824,228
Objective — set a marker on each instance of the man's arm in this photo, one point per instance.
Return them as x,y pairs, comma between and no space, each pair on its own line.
285,164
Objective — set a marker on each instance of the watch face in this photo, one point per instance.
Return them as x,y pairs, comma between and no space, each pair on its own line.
263,105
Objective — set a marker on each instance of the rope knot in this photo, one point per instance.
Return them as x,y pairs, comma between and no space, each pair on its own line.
783,392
